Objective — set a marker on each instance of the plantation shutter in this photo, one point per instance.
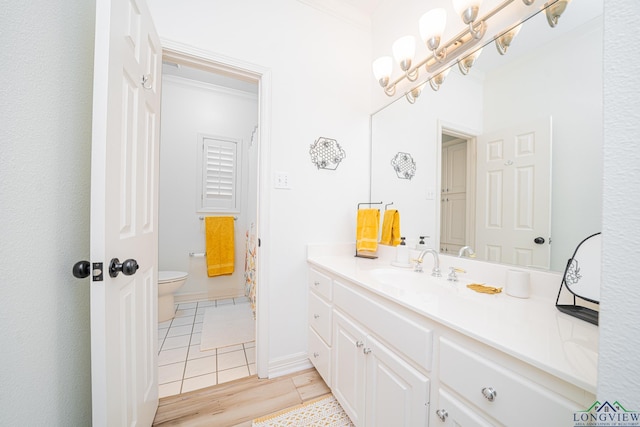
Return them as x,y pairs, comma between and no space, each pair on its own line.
219,174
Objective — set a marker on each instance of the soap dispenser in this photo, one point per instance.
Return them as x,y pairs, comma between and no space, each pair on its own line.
402,254
421,245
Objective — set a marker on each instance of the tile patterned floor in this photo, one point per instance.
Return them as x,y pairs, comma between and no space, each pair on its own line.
182,367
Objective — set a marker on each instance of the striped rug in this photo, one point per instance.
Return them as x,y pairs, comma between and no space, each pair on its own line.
324,411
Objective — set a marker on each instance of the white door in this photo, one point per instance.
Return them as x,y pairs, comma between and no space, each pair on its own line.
514,194
124,196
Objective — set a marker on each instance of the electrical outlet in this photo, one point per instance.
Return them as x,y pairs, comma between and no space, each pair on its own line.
281,180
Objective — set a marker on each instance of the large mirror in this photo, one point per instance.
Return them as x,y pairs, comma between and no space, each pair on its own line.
549,83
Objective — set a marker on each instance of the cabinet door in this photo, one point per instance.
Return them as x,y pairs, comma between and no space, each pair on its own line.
454,213
397,394
456,167
349,367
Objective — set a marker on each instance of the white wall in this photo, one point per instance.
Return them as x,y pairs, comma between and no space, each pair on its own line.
191,108
46,86
319,87
619,364
47,97
556,80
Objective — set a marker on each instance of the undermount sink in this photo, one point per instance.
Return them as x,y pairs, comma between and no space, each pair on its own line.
396,276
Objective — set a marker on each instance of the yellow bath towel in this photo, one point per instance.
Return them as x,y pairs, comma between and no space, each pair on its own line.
390,228
219,242
367,230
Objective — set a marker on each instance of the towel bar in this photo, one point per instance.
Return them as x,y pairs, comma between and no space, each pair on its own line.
197,254
235,218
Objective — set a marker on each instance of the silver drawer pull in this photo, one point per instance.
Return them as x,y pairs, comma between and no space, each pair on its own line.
316,316
316,283
489,393
316,354
359,344
442,414
366,351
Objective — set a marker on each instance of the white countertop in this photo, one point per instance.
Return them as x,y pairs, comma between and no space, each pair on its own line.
531,329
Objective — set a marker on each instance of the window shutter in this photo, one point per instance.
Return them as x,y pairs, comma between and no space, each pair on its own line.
219,174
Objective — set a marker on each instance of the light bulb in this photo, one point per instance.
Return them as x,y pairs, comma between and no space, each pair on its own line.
403,50
432,26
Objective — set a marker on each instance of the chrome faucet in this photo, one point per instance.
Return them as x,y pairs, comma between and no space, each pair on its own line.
468,250
436,262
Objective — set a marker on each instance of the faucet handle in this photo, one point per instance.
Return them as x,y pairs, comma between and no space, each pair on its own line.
418,267
452,275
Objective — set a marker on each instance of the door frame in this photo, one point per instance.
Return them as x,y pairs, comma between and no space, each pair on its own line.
470,136
188,55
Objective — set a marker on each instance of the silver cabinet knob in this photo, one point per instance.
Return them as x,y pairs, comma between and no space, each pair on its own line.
316,283
316,316
359,344
316,354
489,393
366,351
442,414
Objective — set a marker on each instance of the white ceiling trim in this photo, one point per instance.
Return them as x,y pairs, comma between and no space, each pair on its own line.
343,11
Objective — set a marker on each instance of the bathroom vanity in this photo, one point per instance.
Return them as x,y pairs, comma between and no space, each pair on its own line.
402,348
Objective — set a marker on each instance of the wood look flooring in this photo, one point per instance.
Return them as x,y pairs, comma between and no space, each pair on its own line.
238,403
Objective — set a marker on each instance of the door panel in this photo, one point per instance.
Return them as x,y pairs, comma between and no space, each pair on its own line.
124,197
514,194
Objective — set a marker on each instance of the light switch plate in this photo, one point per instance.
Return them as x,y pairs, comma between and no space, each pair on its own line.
431,194
281,180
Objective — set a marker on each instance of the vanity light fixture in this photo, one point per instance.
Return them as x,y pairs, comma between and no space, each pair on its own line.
414,93
443,53
465,64
436,81
382,71
468,11
555,9
404,50
504,41
432,26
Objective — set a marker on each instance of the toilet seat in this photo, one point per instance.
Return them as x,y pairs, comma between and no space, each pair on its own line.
171,276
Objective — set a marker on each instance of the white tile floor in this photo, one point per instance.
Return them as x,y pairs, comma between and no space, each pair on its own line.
182,367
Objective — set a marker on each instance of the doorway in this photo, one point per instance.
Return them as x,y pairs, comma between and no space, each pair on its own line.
457,191
240,91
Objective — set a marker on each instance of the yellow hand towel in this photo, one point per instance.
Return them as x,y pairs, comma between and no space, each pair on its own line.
219,242
367,230
390,228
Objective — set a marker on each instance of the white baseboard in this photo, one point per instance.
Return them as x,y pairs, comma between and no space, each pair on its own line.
195,296
289,364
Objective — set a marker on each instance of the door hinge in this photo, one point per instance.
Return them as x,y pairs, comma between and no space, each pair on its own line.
98,273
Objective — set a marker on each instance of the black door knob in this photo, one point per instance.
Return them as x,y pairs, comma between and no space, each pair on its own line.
128,267
81,269
538,240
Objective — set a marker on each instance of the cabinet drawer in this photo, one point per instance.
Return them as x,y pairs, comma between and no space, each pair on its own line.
320,283
517,401
320,316
413,340
320,356
450,412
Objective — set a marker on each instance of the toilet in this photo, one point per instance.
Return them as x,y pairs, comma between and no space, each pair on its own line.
168,283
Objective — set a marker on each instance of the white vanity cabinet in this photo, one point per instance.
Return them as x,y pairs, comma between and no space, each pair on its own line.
380,361
320,323
391,365
512,395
